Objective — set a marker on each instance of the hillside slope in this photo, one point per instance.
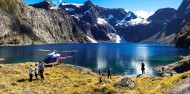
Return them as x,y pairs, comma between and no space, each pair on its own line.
25,25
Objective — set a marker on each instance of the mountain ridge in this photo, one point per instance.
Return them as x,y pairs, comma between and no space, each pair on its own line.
89,23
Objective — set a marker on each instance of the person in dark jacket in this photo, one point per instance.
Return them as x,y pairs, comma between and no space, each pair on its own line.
109,73
100,72
41,70
143,68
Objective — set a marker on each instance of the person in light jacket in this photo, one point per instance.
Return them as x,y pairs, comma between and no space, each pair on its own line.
31,70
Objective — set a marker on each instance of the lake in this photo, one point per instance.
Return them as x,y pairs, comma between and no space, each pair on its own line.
123,59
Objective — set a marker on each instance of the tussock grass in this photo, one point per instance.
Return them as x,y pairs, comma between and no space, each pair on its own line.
63,80
9,4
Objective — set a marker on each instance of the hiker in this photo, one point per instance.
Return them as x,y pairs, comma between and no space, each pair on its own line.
41,70
162,69
31,69
36,71
109,73
143,68
100,72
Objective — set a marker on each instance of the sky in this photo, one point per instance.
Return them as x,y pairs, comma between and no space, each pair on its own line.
140,7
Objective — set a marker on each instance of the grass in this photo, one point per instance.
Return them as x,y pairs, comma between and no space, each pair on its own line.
60,79
8,4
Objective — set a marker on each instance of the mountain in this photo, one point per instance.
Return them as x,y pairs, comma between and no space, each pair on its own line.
25,25
164,15
46,4
100,22
94,20
83,23
182,39
169,32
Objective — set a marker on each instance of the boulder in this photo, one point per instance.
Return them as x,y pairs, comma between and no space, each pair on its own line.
102,79
125,82
183,88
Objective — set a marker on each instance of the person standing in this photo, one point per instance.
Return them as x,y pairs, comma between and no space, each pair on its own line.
31,69
100,72
109,73
36,71
143,68
41,70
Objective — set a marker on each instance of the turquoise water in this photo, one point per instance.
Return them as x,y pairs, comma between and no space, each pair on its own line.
124,59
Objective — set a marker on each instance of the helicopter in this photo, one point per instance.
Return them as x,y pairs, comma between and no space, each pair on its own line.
55,56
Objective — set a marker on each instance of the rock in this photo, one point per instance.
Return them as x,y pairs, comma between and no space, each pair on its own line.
125,82
102,79
184,88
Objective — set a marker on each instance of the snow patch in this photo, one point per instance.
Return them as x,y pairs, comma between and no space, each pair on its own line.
77,5
118,39
133,22
101,21
138,20
70,9
91,39
126,10
54,8
77,17
144,14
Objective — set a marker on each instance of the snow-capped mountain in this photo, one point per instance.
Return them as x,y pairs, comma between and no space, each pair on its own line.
105,24
98,22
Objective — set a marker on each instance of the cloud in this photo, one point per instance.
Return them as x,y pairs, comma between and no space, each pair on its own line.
144,14
60,1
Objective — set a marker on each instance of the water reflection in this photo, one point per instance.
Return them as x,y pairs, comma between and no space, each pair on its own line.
101,60
141,55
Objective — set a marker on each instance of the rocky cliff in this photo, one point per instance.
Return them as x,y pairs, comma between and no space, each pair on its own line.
170,31
24,25
183,37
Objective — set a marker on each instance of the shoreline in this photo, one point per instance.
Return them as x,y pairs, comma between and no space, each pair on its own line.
95,71
75,79
178,67
38,44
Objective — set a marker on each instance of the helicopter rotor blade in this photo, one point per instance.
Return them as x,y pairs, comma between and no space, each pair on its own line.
43,50
69,51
